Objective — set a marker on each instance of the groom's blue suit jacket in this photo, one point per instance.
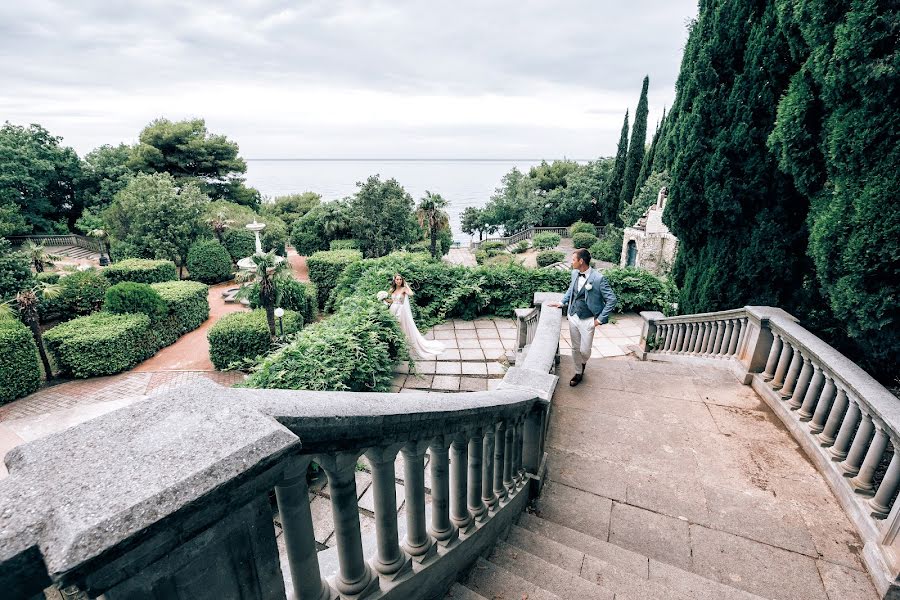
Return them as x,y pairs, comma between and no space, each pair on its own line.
599,301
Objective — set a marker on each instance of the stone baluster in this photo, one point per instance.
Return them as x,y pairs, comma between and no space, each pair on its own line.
355,577
880,504
726,339
735,336
509,442
679,340
477,507
799,394
518,471
670,338
720,335
390,561
701,334
835,417
459,470
864,482
787,353
418,544
691,338
774,353
499,462
823,406
707,333
442,528
790,380
673,348
487,473
851,465
292,494
663,338
841,445
812,394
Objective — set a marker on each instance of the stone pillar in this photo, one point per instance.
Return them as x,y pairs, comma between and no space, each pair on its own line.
720,333
459,470
508,458
802,383
887,489
793,373
812,394
835,416
823,407
787,353
850,466
692,338
442,529
742,339
418,544
774,353
726,340
477,507
518,472
707,333
531,439
390,561
292,494
487,472
679,343
735,336
841,445
499,462
863,484
355,577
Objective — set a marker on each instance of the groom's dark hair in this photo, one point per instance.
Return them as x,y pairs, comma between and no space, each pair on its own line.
584,254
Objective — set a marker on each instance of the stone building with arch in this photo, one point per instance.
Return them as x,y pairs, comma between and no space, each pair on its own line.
649,244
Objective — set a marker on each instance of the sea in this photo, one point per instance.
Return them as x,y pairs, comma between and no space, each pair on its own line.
461,182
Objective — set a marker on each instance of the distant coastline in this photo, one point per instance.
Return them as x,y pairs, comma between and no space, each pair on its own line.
412,159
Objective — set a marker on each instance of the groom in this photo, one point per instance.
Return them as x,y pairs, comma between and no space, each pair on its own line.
589,300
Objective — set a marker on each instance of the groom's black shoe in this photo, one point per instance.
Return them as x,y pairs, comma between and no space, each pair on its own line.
576,380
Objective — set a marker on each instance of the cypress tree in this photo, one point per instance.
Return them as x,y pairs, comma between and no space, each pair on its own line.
611,205
635,149
647,165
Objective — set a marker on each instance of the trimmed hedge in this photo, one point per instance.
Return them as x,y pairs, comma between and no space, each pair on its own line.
130,297
20,369
326,267
100,344
492,246
80,293
546,240
188,307
209,262
245,335
141,270
344,245
296,295
581,227
637,290
584,240
240,243
549,257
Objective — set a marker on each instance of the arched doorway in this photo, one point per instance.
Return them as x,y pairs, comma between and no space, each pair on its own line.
631,256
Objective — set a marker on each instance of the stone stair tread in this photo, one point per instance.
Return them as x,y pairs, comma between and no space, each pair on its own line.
548,576
461,592
491,580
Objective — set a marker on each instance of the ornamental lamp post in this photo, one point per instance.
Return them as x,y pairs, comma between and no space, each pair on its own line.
279,313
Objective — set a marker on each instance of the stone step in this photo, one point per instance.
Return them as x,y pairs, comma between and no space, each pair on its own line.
559,540
461,592
493,581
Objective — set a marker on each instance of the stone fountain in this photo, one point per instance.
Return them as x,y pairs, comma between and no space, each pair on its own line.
246,264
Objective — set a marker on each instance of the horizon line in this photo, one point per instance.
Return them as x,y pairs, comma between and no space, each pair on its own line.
414,159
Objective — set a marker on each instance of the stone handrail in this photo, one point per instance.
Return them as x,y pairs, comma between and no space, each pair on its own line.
78,241
841,416
525,234
169,496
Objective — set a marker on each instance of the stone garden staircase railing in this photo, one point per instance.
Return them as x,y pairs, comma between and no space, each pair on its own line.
170,497
525,234
77,241
847,423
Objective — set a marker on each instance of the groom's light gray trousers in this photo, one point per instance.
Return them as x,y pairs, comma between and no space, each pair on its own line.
581,333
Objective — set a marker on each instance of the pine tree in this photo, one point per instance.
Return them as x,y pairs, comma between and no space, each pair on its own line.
635,149
647,165
611,204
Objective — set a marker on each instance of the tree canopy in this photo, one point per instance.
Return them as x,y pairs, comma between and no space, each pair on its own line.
635,149
381,217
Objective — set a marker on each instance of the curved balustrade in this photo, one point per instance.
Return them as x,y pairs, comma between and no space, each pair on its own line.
847,422
79,241
169,497
525,234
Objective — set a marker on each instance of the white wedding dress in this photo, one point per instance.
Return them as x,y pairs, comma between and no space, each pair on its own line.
419,347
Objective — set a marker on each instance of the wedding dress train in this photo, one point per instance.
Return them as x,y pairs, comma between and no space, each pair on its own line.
419,347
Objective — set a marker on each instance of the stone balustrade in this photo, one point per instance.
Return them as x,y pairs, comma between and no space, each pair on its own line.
79,241
525,234
170,497
847,423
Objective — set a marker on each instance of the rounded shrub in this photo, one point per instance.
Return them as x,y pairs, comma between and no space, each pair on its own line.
637,290
239,242
325,268
584,240
15,271
582,227
492,247
550,257
521,247
141,270
80,293
48,277
609,247
546,240
245,335
130,297
100,344
209,262
20,370
343,245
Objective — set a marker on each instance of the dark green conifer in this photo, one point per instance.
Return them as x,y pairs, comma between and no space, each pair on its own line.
611,204
635,149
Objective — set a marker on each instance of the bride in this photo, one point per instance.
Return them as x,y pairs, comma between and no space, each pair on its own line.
399,299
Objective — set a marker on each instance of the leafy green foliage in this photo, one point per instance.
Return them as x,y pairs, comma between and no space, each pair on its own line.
15,272
48,277
476,220
290,208
129,297
584,240
104,173
493,246
635,149
80,293
239,243
239,336
521,247
645,198
140,271
187,305
354,350
293,295
326,267
546,240
20,371
582,227
100,344
614,189
431,214
637,290
343,245
549,257
609,247
515,205
381,217
208,261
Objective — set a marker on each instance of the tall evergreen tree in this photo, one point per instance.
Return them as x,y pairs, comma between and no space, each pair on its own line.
647,165
611,204
635,149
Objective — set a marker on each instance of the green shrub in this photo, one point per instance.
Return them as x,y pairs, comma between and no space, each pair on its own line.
356,349
48,277
343,245
492,247
500,259
120,251
581,227
294,295
550,257
209,262
187,302
239,242
80,293
308,235
609,247
20,370
141,270
637,290
245,335
325,268
584,240
521,247
15,272
274,236
546,240
100,344
130,297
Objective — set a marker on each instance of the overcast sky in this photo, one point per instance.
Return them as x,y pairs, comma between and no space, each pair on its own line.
345,79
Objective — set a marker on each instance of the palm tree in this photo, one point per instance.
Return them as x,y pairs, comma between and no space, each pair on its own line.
38,256
433,218
219,224
269,272
26,304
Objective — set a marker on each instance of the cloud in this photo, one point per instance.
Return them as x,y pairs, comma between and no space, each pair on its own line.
96,72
